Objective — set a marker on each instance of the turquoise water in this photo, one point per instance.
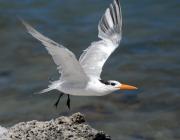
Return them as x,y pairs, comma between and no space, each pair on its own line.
148,57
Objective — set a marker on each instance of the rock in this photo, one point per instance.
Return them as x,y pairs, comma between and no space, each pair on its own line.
62,128
2,132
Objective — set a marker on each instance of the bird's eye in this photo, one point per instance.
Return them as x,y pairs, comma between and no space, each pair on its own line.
113,84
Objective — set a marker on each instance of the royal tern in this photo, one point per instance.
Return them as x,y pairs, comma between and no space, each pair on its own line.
82,78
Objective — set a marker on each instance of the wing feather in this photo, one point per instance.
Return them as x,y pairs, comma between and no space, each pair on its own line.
94,57
67,64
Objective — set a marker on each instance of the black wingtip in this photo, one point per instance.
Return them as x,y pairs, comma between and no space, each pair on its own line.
117,1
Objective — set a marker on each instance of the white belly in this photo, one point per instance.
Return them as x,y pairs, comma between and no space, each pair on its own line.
82,92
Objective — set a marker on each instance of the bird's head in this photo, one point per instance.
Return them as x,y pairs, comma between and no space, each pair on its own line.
115,85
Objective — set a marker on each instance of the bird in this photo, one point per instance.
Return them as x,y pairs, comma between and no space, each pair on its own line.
83,77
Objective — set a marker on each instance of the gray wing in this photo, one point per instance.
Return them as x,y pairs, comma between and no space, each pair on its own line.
94,57
67,64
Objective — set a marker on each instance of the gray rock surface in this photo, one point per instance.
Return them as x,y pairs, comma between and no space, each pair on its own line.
2,132
62,128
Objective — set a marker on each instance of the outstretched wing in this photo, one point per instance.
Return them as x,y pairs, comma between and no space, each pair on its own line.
94,57
67,64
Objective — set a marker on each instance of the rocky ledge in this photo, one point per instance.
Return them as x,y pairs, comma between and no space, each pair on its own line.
62,128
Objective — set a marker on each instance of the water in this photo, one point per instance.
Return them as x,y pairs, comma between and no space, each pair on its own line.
148,57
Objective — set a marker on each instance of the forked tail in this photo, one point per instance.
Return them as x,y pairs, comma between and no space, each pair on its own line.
52,86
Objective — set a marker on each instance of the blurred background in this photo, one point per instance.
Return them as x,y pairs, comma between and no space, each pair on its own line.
148,57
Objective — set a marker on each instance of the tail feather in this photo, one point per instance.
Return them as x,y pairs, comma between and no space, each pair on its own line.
45,90
54,85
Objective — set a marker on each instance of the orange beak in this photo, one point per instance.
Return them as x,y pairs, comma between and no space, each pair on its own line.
127,87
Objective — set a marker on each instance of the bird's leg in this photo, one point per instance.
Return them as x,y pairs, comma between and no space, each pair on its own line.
57,102
68,102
